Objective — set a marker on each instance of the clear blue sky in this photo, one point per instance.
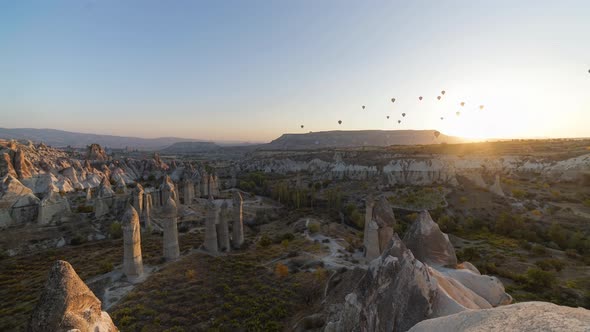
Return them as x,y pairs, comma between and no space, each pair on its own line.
252,70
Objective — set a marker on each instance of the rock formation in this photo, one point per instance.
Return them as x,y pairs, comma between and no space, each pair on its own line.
88,194
211,228
138,195
67,304
52,206
428,243
525,316
21,165
168,190
238,224
6,167
132,260
96,152
188,191
496,187
223,229
169,214
393,295
379,223
104,198
18,205
146,218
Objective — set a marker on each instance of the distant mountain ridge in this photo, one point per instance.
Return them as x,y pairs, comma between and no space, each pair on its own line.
190,147
61,138
343,139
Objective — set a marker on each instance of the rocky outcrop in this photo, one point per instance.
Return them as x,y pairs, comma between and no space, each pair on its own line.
21,165
18,205
525,316
6,167
393,295
379,223
428,243
496,187
52,206
132,259
170,215
238,222
96,152
104,198
67,304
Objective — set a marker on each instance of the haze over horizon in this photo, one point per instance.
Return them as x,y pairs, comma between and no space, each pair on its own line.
251,72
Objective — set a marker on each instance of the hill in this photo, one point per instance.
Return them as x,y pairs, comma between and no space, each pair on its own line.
191,147
344,139
60,138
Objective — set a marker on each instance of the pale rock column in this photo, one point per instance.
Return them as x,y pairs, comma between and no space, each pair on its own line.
210,228
371,234
132,261
188,191
138,194
88,194
223,229
146,218
238,224
169,213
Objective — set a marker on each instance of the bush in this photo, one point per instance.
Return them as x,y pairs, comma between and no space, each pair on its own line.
538,279
313,227
115,230
84,209
77,240
517,193
538,249
265,241
105,267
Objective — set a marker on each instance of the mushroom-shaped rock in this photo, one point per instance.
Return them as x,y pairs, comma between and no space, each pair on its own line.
96,152
169,214
428,243
67,304
525,316
132,260
168,190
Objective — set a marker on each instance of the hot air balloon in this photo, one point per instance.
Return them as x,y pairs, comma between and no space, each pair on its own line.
363,106
438,97
480,107
442,117
436,133
388,116
458,113
462,103
302,126
339,122
443,92
404,115
420,97
399,121
393,100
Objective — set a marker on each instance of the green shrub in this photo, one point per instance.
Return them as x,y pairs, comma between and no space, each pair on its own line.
538,279
538,249
105,267
518,193
77,240
313,227
265,241
115,230
84,209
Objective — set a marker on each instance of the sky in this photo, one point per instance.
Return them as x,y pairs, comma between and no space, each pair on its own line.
253,70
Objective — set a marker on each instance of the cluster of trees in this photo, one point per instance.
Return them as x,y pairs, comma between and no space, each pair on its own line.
520,228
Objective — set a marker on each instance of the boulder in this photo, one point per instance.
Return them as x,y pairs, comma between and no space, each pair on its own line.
525,316
67,304
52,206
17,202
428,243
